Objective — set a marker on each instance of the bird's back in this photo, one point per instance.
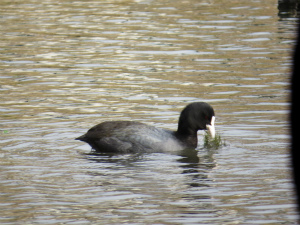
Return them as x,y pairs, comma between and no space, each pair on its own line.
128,136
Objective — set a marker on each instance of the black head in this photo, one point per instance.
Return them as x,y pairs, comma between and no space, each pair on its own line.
195,116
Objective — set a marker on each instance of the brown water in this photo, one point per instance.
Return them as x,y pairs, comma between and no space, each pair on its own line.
67,65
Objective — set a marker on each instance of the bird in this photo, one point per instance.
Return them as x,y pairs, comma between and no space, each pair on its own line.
137,137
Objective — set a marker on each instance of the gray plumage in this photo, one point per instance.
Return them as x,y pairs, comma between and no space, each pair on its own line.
129,136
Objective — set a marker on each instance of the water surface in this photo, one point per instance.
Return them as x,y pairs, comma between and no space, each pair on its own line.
68,65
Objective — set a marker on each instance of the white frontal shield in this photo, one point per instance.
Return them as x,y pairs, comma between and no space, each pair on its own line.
211,127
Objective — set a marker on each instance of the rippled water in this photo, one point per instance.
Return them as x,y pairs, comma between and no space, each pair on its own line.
68,65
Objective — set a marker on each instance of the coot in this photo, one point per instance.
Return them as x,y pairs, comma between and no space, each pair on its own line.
130,137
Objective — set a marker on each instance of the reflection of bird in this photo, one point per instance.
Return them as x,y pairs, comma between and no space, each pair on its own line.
129,136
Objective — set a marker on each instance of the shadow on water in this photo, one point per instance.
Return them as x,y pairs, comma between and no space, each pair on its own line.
194,163
178,179
189,157
288,8
116,158
197,165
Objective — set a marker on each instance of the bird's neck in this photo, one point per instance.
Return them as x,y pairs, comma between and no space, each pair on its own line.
190,140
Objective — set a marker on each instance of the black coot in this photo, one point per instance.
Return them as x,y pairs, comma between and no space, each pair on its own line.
129,136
